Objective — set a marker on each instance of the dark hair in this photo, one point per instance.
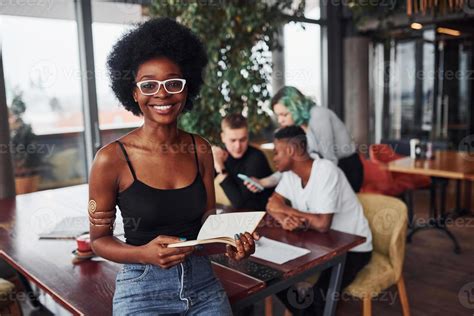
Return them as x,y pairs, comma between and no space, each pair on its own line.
162,37
294,135
234,121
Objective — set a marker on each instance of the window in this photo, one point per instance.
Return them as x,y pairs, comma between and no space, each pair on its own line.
110,22
303,58
302,53
45,71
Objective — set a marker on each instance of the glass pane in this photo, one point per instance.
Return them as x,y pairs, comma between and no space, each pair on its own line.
312,9
110,21
44,73
402,93
303,58
376,82
428,86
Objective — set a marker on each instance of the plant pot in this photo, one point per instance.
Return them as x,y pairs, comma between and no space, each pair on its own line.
27,184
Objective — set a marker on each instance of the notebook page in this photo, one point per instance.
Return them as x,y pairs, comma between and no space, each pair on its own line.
276,251
229,224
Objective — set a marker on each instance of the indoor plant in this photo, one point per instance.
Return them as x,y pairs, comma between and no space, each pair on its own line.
25,156
239,37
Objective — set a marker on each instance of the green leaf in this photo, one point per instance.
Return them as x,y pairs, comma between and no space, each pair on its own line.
230,29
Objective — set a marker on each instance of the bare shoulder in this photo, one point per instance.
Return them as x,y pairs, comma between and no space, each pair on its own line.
203,146
108,162
108,155
112,155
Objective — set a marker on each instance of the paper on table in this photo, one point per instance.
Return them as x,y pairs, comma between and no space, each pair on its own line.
276,251
74,226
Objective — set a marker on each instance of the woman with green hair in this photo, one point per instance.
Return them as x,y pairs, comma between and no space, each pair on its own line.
326,134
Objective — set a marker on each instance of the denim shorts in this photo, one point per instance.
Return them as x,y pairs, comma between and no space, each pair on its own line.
189,288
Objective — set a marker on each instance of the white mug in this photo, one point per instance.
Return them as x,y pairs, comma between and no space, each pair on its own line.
414,145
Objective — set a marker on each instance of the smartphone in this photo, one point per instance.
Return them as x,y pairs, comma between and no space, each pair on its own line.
248,179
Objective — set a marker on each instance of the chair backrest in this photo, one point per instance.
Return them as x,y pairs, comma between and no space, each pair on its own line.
382,153
6,288
221,197
376,178
388,220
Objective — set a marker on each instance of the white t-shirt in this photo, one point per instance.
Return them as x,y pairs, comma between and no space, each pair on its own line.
328,191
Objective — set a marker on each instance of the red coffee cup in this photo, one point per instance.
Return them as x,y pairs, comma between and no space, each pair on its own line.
84,243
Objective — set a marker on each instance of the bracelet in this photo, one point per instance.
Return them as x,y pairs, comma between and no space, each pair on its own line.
111,225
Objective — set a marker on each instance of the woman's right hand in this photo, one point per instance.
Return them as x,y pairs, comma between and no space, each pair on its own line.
253,188
157,253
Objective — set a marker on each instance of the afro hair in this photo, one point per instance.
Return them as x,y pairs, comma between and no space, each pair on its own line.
162,37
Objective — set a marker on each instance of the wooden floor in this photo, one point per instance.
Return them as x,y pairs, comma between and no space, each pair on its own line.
434,275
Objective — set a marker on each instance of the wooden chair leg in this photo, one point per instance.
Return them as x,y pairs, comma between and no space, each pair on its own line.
15,309
403,296
268,306
367,306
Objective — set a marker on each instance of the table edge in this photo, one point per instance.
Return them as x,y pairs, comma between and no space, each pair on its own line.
44,287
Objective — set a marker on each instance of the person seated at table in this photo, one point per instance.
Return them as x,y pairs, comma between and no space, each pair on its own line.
327,136
315,194
161,177
240,157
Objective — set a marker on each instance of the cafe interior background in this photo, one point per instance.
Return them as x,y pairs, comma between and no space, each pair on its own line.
394,71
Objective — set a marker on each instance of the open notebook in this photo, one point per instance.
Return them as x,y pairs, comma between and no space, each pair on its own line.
74,226
221,228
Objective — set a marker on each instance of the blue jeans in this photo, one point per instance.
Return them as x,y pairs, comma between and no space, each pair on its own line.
189,288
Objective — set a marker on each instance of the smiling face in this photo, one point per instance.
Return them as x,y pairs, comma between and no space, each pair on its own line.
162,107
283,115
236,141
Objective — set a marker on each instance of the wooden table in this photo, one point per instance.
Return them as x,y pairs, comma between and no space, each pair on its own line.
87,288
446,165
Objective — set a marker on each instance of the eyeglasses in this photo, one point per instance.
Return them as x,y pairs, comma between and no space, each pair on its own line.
151,87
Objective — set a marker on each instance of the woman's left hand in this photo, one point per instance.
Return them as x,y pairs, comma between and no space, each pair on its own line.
245,246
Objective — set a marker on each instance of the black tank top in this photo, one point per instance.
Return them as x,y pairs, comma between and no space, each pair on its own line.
148,212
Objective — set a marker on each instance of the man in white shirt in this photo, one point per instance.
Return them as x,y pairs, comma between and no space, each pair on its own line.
315,194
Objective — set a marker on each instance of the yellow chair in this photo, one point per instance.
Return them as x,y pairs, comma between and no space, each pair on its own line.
387,218
8,303
221,197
